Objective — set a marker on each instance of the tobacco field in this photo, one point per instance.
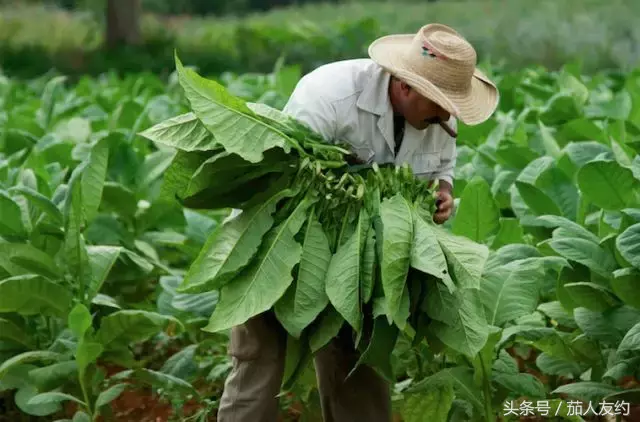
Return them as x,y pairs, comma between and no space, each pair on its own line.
115,305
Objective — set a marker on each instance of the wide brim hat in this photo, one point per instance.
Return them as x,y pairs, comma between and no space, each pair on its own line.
441,65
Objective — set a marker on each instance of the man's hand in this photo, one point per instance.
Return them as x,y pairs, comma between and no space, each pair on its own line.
445,203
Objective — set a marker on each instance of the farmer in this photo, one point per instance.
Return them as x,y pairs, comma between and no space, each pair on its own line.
400,105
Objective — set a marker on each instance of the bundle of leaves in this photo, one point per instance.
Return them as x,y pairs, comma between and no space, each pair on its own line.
323,243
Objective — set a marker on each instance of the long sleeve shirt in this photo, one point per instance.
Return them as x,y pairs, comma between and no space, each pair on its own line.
349,101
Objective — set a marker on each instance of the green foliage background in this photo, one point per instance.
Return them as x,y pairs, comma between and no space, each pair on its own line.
92,255
512,33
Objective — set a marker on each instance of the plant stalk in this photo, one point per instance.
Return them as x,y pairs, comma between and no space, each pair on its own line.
488,410
419,364
85,394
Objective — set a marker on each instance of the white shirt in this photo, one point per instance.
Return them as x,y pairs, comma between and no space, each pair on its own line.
349,101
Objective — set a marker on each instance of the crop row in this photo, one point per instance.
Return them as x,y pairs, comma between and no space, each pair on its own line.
92,254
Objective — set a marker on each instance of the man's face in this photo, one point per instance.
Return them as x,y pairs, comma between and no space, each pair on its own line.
419,111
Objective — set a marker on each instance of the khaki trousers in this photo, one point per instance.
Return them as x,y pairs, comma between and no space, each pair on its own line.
257,349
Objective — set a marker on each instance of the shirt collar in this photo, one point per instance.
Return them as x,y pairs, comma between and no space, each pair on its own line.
374,98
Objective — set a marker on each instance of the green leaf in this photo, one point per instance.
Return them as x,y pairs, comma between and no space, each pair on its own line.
184,132
463,383
622,368
231,246
631,341
329,323
259,286
182,364
343,275
608,327
11,224
586,253
178,176
50,97
586,390
628,243
119,199
110,395
53,398
81,417
86,354
482,362
101,259
538,201
441,304
556,312
303,303
40,201
574,87
607,184
33,295
510,233
621,154
24,394
79,320
550,144
230,174
586,131
561,190
478,215
512,290
153,167
129,326
158,380
75,252
616,108
530,174
380,349
369,266
431,404
297,360
521,384
465,259
24,259
93,178
571,229
625,284
233,124
22,358
51,376
397,238
10,331
426,253
18,376
560,108
550,365
468,331
515,156
591,296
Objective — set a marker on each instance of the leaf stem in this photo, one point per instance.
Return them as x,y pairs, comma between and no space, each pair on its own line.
85,394
488,410
419,364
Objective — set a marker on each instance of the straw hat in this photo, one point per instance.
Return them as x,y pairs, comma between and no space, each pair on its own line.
441,65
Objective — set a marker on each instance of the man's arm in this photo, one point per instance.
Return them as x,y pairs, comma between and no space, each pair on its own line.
445,174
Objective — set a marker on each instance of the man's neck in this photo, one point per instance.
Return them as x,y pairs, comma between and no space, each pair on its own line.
392,98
